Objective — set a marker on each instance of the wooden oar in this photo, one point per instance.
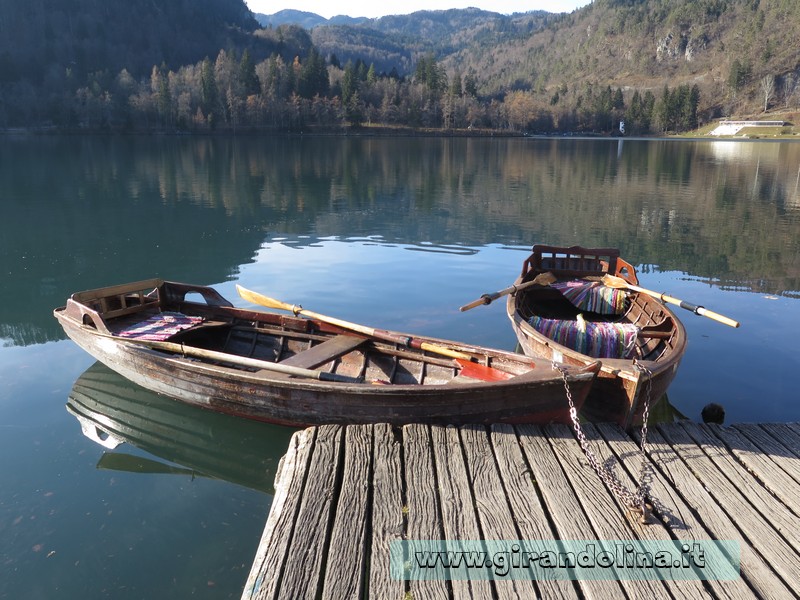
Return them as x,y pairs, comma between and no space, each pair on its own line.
465,361
236,360
618,282
540,279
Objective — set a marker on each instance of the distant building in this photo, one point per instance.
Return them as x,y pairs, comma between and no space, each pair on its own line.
733,127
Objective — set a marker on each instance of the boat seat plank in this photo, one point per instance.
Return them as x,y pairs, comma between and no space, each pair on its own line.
324,352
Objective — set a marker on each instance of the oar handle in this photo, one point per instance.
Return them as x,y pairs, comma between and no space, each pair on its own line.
489,298
618,282
704,312
484,299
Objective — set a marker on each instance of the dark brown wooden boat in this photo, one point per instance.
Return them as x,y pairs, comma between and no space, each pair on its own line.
545,322
188,342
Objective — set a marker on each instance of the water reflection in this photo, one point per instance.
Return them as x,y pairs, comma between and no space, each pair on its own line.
111,411
109,210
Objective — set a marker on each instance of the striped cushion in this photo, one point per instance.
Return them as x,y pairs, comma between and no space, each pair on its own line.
598,340
593,296
159,327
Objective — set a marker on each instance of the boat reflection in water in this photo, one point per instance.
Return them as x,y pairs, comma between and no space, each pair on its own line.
112,410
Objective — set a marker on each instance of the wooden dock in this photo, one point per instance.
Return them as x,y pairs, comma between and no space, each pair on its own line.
343,494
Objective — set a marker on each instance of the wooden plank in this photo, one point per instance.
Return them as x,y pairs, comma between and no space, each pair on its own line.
387,513
690,512
609,520
783,433
765,467
423,514
526,508
561,504
265,572
780,517
345,572
325,352
303,569
491,504
624,453
754,525
458,511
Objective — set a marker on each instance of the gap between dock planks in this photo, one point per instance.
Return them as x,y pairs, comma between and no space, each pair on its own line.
344,493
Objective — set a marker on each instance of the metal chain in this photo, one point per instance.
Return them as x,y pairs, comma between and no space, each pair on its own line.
634,501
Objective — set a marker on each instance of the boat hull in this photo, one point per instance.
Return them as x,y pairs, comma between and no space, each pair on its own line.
623,386
535,396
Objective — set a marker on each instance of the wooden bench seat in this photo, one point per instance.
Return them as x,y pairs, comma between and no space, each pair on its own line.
324,352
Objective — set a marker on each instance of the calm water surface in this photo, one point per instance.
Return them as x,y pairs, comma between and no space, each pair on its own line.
393,233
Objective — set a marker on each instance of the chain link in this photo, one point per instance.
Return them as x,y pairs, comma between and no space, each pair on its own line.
633,501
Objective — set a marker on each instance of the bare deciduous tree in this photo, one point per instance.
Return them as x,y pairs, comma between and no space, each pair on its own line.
768,89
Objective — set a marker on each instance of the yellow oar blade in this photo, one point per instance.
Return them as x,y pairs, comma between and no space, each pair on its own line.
263,300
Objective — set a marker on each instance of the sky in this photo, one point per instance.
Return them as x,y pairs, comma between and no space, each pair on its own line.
360,8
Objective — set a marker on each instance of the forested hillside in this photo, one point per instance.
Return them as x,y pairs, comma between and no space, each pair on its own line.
199,65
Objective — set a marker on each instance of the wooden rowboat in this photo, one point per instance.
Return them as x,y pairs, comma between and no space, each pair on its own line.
188,342
544,320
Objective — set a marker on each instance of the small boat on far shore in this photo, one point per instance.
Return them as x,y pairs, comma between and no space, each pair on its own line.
190,343
565,312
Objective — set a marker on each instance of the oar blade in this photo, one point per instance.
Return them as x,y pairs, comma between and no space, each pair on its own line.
261,299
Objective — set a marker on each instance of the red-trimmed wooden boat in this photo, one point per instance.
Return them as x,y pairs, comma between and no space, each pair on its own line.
644,341
188,342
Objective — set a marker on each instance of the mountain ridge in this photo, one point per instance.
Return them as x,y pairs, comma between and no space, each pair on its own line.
581,70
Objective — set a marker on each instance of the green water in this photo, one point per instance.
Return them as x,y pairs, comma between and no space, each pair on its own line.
393,233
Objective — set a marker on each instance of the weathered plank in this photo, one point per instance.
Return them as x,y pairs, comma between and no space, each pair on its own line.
423,514
756,526
491,503
690,512
343,494
458,511
345,571
774,439
387,513
790,433
764,467
780,517
304,563
265,574
615,451
609,520
523,499
562,504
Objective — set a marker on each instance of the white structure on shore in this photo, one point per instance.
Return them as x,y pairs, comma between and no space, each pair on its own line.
733,127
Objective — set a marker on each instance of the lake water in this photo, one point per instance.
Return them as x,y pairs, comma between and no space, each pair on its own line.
392,233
